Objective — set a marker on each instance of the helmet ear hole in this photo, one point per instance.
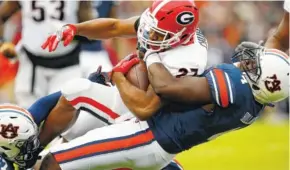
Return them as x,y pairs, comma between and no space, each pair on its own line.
184,37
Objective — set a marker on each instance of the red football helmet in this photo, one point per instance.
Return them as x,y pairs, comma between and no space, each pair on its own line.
176,21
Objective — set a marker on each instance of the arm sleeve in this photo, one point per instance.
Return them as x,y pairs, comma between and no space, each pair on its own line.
42,107
222,87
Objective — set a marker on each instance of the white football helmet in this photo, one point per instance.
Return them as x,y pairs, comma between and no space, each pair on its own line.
267,72
18,132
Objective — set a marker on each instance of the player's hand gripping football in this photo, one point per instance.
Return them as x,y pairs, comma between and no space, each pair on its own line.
126,64
65,34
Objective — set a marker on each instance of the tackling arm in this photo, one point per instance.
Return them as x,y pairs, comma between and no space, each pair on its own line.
143,104
59,119
280,38
186,89
58,114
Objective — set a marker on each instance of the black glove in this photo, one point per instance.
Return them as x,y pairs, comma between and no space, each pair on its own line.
100,77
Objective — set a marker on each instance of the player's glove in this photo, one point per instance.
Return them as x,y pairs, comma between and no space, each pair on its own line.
65,34
126,64
100,77
248,44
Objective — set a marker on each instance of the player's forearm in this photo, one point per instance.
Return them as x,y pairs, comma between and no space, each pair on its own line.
59,119
186,89
138,101
103,28
280,38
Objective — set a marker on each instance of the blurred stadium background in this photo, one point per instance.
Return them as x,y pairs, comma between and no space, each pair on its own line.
263,146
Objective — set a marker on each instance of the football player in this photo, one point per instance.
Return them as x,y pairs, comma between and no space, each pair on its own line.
225,98
174,36
18,137
41,72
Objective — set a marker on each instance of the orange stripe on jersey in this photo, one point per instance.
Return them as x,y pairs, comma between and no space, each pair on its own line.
178,163
277,51
104,147
3,106
222,87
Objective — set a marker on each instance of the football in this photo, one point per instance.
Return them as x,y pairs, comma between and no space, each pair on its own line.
138,76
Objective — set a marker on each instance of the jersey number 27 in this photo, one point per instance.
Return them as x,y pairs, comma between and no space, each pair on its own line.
190,72
41,15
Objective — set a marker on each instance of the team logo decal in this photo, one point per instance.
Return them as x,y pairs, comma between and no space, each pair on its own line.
9,131
185,18
273,85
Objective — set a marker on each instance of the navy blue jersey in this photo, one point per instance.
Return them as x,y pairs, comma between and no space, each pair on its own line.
180,129
103,8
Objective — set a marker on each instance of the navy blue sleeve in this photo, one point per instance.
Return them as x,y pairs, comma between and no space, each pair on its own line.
221,86
41,108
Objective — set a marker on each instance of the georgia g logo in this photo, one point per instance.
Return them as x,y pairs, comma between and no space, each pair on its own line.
185,18
9,131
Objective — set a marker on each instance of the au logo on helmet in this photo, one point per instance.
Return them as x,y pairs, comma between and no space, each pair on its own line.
273,85
9,131
185,18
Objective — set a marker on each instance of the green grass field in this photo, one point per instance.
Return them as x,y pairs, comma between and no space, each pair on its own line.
258,147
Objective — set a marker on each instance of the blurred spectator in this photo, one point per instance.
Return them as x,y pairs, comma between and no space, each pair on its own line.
41,72
9,67
227,23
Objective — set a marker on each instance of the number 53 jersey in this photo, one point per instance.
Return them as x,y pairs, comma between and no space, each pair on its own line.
41,18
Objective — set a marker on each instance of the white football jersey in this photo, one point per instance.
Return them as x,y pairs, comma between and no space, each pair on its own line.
42,18
183,60
287,5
